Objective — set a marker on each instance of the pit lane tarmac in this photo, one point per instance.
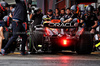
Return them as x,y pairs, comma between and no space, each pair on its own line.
58,59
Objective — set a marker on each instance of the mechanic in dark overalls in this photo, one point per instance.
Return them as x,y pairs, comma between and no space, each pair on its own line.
74,14
68,14
37,17
90,19
49,15
18,18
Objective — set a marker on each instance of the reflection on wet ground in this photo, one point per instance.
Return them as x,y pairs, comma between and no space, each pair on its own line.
58,59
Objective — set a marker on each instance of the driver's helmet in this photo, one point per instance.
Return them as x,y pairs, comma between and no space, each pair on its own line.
89,9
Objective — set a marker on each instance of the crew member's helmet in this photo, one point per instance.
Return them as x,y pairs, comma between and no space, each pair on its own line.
94,6
3,5
36,10
74,8
89,8
82,8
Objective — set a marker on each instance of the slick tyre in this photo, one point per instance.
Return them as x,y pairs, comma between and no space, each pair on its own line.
37,39
85,44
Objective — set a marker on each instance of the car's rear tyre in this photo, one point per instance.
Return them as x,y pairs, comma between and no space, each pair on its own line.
36,39
85,44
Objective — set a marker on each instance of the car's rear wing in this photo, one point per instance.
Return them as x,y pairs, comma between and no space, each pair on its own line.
57,25
60,25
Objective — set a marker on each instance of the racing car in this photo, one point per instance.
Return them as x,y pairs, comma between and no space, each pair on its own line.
55,36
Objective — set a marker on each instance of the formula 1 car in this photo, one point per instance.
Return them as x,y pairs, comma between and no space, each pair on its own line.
55,36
